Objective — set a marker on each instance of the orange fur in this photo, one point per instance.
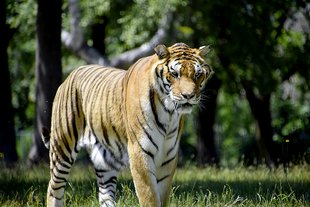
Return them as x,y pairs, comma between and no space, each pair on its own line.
123,118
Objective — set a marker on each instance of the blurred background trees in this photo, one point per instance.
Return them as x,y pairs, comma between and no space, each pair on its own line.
48,71
7,132
256,108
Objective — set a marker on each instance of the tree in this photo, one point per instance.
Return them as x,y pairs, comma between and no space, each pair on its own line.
48,70
7,132
248,36
254,50
207,151
76,41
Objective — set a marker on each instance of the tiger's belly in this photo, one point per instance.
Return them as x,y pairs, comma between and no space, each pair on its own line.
110,154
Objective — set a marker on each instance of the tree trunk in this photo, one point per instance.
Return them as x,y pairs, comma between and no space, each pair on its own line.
7,132
260,107
48,70
99,34
207,152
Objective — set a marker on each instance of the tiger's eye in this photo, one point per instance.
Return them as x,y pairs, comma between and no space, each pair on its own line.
198,74
174,73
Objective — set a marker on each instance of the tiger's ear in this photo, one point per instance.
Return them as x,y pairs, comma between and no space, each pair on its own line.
204,50
161,51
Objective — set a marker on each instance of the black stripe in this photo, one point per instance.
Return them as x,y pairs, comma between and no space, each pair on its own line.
110,180
57,197
163,178
60,133
103,152
76,112
66,144
147,134
120,149
99,171
154,111
93,97
59,178
57,182
63,155
61,171
116,79
172,148
99,176
165,86
64,165
144,116
145,151
158,74
62,186
173,131
107,186
77,102
104,84
160,77
118,136
116,159
92,72
108,161
113,196
105,134
107,97
164,107
162,71
109,191
186,57
168,161
88,80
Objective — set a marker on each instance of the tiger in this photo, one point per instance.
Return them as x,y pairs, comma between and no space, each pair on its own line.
126,118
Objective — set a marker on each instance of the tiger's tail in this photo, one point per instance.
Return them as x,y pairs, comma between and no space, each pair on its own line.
46,137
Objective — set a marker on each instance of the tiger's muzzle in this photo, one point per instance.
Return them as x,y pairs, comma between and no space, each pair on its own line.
184,103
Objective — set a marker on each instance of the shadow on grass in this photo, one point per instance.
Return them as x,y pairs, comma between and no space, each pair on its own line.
34,190
246,189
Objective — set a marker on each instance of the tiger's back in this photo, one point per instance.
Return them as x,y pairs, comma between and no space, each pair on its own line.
87,109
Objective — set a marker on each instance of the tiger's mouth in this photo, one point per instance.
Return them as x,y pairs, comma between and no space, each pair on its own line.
184,107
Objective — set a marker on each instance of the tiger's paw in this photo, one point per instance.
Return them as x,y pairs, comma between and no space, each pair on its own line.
108,203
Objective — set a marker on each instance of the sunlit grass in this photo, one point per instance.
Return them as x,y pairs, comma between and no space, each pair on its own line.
192,186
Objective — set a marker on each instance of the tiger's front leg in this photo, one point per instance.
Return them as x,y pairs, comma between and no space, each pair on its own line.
142,168
164,180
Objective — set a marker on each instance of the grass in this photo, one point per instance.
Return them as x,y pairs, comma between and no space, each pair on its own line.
24,186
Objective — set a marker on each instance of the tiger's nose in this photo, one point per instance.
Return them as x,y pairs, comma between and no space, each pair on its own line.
188,95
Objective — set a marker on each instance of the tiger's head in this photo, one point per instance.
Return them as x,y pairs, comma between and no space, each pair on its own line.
181,74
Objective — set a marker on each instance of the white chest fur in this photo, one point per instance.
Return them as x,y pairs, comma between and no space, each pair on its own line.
161,132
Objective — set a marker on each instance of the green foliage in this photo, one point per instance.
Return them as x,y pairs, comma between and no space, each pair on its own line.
235,127
251,46
292,112
21,14
249,187
136,31
248,36
21,51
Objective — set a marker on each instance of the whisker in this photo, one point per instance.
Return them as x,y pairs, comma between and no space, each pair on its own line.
201,106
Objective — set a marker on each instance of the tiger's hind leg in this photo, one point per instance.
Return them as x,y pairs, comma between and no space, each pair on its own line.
61,162
107,187
106,176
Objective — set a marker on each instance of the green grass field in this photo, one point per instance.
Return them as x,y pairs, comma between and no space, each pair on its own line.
193,186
